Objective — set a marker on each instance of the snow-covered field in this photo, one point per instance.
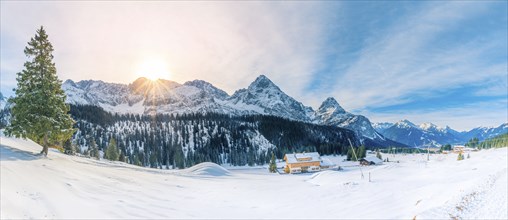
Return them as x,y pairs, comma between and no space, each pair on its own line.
62,186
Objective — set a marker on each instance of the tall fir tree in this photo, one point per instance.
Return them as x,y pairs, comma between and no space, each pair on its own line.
362,152
111,152
273,165
94,150
39,111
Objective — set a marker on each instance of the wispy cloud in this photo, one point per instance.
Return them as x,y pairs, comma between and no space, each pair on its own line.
406,60
225,43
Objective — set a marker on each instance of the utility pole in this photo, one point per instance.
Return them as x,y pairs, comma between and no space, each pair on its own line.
428,147
354,153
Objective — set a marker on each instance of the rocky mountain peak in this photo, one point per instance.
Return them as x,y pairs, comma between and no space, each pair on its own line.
331,105
262,82
428,126
405,124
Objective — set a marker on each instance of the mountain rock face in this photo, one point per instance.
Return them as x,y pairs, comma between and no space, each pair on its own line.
262,96
331,113
144,96
428,134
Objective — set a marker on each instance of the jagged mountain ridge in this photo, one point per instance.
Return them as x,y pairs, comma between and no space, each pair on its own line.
262,96
331,113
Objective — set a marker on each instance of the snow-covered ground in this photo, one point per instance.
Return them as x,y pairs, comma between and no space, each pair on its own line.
68,187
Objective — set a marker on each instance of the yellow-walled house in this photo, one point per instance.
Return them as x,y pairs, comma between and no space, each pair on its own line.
303,162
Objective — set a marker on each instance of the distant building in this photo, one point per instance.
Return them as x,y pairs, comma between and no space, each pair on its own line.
370,161
303,162
459,149
463,149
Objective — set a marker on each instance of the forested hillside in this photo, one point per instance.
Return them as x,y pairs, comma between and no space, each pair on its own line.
495,142
165,141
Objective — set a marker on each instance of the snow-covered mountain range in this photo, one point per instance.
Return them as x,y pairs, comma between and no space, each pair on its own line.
483,133
262,96
428,134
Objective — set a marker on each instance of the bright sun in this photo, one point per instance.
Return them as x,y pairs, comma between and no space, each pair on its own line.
153,69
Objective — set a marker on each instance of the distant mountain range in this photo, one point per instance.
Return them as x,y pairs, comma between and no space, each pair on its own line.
428,134
262,96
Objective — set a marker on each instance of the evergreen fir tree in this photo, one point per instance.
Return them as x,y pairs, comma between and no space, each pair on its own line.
39,111
273,166
94,151
111,152
122,157
361,152
350,156
69,148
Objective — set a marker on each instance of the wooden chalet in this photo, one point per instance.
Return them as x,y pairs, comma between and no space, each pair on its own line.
303,162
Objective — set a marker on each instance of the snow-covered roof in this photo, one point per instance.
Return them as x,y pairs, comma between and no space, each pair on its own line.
302,157
373,159
326,162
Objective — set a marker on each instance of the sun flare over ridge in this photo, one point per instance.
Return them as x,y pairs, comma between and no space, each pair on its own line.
153,69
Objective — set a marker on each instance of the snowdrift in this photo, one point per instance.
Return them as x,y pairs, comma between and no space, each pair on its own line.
206,169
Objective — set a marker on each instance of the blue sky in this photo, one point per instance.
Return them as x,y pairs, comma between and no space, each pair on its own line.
432,61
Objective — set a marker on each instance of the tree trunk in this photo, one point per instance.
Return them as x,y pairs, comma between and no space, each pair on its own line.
45,145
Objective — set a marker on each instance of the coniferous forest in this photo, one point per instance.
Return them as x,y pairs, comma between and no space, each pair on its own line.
495,142
179,141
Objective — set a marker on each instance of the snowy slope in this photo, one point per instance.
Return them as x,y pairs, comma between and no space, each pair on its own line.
68,187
